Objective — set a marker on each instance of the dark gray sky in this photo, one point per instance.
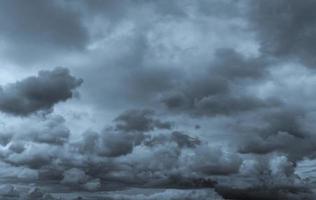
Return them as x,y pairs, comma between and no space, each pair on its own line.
104,95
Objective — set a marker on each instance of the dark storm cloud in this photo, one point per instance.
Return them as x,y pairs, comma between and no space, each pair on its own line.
152,57
281,131
132,82
232,65
127,133
5,138
109,143
35,30
289,192
201,62
217,91
213,92
271,184
286,29
119,155
169,194
213,161
181,139
39,92
17,147
118,10
222,104
140,120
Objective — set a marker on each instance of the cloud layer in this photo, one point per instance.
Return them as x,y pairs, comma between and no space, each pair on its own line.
178,99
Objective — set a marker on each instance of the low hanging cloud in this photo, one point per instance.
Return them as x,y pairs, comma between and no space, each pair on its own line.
38,93
273,178
97,159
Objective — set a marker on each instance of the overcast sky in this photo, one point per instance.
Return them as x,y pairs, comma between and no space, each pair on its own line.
162,95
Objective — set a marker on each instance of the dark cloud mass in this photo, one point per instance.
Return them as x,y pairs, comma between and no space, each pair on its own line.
31,30
218,91
286,28
139,120
39,92
182,100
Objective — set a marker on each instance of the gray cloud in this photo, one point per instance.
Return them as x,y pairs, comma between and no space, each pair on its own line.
128,132
8,191
109,143
285,28
51,130
181,139
33,31
282,131
170,194
270,181
140,120
217,90
170,66
117,155
276,193
39,92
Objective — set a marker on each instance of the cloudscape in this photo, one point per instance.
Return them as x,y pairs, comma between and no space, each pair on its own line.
157,100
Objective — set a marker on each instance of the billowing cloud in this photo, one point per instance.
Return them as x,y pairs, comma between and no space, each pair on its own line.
212,96
116,155
282,131
217,90
39,92
273,178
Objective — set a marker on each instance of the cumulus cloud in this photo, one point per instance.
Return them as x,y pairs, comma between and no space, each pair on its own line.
129,131
117,155
283,130
109,143
241,70
272,178
51,130
39,92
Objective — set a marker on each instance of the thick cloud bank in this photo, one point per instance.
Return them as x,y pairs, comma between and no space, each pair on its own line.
181,99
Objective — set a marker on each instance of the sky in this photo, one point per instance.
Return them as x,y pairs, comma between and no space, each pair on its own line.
158,99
